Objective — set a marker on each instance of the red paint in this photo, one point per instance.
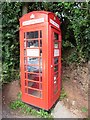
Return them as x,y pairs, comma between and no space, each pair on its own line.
31,78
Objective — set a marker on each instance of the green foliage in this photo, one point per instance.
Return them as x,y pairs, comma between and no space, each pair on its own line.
75,26
10,41
63,94
24,108
19,95
84,109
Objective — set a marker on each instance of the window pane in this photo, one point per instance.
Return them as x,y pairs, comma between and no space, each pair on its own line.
33,61
55,44
33,77
40,43
33,69
25,75
35,85
25,52
55,68
25,61
32,43
55,76
25,68
40,52
56,60
40,33
55,36
34,93
24,44
30,35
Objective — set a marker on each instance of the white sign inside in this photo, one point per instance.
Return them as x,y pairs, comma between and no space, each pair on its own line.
54,23
29,22
33,52
56,52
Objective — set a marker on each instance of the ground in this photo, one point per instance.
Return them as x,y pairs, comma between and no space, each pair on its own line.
75,84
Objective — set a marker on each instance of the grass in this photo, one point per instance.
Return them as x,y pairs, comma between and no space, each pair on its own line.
26,109
63,94
84,109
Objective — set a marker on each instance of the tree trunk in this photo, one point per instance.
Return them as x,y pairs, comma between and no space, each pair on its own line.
25,9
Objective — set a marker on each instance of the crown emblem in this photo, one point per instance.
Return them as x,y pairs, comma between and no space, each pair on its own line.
32,16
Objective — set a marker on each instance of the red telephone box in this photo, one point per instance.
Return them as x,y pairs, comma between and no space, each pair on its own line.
40,58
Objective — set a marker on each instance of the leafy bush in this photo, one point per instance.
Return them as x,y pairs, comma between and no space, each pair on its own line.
75,26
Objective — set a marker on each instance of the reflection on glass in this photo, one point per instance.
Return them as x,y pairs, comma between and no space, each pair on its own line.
31,35
56,60
55,68
32,43
55,44
33,77
35,93
55,36
34,69
33,84
34,61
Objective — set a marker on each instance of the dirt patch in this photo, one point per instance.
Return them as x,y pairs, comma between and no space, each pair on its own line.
9,93
75,83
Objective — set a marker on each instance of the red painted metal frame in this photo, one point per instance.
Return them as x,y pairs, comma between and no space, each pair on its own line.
48,29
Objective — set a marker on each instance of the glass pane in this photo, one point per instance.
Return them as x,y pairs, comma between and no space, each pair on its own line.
55,89
40,69
55,68
40,77
25,68
55,36
30,35
56,60
55,44
40,61
33,69
34,85
24,52
25,60
40,43
55,76
32,43
40,33
25,75
33,61
40,52
24,35
35,93
24,44
33,77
